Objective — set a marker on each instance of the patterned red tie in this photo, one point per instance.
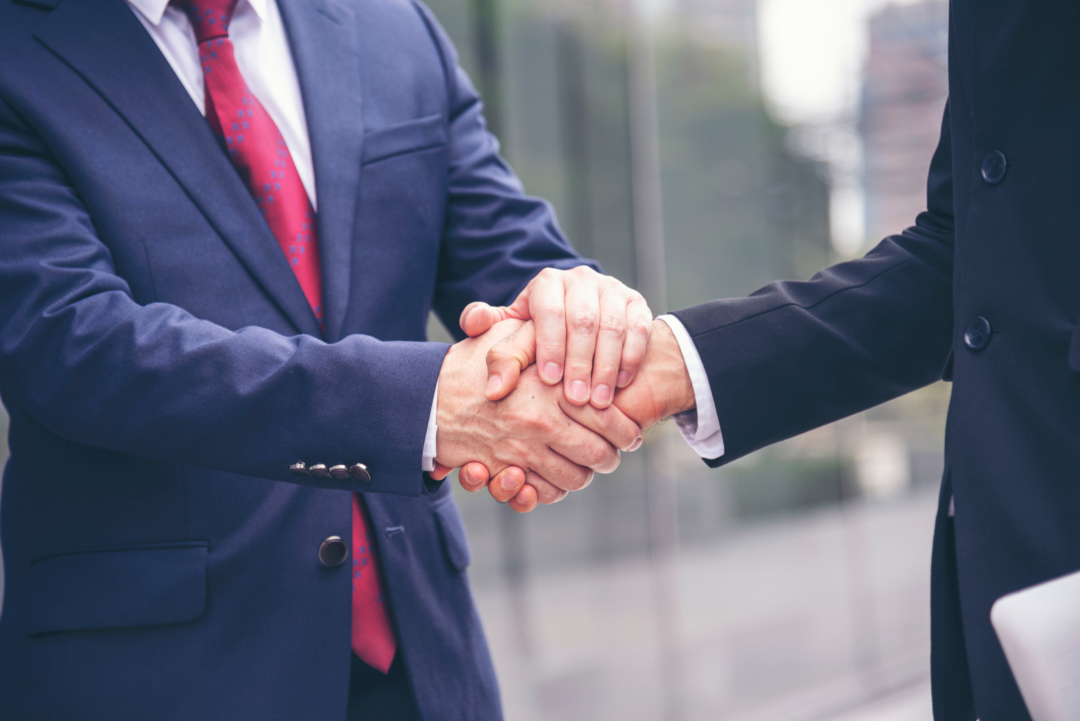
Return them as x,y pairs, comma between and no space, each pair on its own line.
257,151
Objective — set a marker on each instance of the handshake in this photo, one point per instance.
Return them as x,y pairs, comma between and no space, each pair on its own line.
546,392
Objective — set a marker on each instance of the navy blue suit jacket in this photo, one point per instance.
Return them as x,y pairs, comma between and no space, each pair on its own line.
162,369
998,243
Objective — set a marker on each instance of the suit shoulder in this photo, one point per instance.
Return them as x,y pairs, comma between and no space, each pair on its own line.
20,53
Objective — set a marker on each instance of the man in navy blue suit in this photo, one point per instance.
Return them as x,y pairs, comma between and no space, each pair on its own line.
224,224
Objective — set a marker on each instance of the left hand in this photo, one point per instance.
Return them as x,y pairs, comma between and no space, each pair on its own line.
591,325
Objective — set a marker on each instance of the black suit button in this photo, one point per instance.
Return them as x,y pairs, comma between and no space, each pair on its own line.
994,166
333,551
977,333
298,469
318,471
339,472
360,473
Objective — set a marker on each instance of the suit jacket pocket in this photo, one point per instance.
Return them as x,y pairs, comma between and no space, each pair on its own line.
408,137
117,587
452,531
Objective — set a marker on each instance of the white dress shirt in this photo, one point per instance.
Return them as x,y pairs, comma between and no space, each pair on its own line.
265,61
700,426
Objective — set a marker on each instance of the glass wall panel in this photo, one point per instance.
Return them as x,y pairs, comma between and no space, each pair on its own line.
798,586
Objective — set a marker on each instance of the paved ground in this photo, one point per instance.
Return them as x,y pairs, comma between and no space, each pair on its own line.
820,617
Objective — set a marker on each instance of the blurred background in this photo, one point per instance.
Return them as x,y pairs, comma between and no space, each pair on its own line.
700,149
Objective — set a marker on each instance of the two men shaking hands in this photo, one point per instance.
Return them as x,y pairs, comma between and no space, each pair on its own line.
548,391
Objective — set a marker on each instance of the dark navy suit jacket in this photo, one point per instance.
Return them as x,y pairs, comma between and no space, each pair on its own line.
162,369
999,242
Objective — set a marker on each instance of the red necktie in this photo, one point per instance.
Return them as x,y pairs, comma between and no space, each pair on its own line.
258,153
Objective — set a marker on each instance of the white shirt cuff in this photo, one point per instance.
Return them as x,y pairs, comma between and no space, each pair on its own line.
700,427
427,463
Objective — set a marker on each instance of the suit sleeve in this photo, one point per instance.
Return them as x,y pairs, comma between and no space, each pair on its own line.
83,359
496,237
797,355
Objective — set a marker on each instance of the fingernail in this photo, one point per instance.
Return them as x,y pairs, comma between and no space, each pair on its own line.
624,379
508,482
601,394
579,392
552,372
635,445
493,384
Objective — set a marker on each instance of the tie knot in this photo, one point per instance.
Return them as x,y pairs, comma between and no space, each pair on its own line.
209,18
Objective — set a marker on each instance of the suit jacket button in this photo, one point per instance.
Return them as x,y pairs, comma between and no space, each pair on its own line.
298,469
318,471
339,472
360,473
994,166
333,551
977,334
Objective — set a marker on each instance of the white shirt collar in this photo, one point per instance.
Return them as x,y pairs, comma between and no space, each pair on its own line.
153,10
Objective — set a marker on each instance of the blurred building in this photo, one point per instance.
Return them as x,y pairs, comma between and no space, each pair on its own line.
732,23
904,90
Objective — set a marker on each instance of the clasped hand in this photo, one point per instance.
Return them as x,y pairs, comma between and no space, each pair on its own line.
534,433
541,440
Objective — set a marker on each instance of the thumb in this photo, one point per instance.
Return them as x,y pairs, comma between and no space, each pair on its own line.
507,358
440,472
478,317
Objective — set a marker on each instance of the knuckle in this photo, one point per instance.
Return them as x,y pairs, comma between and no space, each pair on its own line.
584,321
599,456
582,271
613,326
605,368
632,357
607,419
552,349
641,326
578,368
538,421
549,313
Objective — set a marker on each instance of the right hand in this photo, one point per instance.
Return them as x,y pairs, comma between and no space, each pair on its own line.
556,445
661,389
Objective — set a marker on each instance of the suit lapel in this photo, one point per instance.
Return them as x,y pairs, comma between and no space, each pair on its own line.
323,39
104,42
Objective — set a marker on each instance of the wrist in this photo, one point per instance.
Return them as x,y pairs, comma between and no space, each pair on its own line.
662,387
672,388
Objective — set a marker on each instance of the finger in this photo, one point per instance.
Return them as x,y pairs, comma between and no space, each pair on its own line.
440,472
546,491
639,325
520,307
525,500
473,476
506,484
609,345
507,358
561,471
547,306
610,424
479,317
582,321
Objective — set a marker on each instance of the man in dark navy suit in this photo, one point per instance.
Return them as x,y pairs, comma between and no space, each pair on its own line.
223,224
983,290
